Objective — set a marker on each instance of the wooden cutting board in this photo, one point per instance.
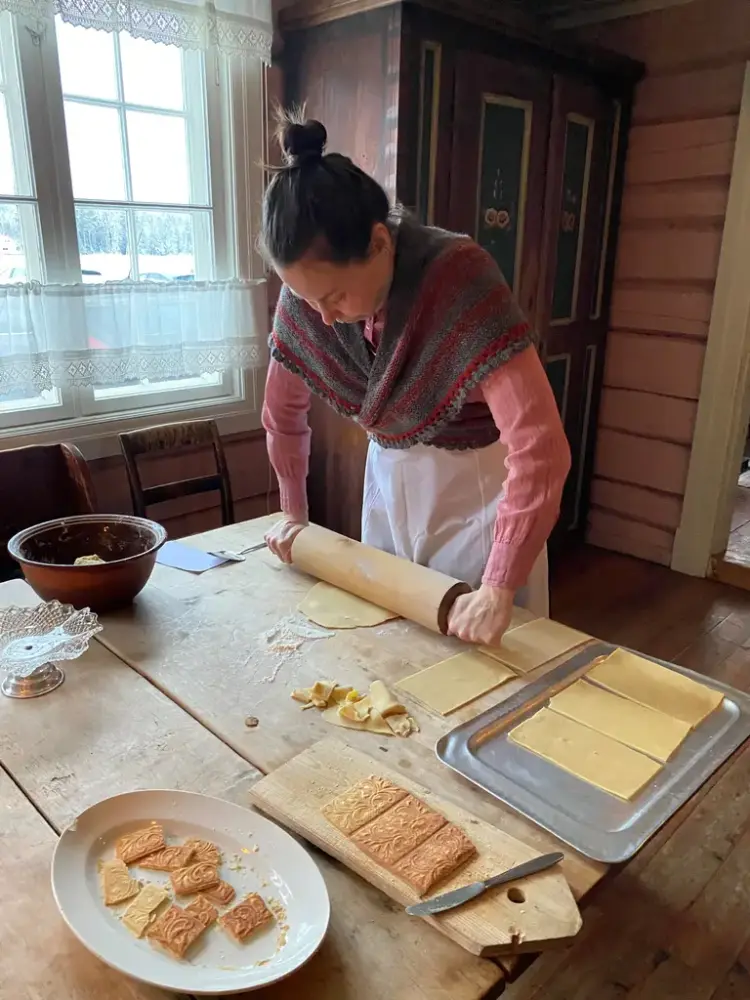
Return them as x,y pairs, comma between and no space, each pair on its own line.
494,924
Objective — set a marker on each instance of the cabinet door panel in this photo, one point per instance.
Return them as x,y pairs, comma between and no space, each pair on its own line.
580,165
501,127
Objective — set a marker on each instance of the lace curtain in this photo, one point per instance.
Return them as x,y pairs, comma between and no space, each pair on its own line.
230,25
57,335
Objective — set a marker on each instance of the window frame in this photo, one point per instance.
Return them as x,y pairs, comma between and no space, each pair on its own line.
233,95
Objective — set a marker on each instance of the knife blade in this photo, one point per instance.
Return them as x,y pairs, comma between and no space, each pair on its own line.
457,897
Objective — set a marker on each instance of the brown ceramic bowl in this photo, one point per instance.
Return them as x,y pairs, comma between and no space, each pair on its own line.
127,544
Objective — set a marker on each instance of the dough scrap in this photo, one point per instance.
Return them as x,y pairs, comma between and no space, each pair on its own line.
370,720
376,712
597,759
449,685
529,646
643,729
330,607
654,686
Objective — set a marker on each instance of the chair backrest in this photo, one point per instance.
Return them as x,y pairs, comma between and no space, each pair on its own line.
38,484
170,438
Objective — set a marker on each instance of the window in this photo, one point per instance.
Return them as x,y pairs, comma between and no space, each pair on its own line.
117,165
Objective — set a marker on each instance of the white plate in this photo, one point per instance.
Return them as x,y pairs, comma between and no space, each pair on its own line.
280,870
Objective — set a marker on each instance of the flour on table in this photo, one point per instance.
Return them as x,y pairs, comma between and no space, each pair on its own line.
285,639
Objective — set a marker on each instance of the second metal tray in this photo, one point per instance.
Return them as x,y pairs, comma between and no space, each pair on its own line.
595,823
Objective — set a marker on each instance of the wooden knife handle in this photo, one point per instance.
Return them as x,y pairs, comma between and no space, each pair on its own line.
422,595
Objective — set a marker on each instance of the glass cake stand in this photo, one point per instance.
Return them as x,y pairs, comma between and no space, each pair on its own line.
31,638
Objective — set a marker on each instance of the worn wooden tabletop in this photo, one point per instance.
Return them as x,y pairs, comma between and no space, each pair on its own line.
160,700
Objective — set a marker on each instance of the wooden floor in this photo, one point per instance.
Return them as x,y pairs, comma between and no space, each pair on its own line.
698,623
738,543
674,924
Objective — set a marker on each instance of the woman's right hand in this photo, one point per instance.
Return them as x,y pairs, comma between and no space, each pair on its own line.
281,536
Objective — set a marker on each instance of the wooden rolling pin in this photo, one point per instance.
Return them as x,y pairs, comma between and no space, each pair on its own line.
422,595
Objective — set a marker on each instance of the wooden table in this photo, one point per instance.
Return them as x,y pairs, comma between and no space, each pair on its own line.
160,700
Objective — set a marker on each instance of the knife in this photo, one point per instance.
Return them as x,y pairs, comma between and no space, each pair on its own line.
457,897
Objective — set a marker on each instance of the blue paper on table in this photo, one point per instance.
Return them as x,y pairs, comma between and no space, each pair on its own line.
181,556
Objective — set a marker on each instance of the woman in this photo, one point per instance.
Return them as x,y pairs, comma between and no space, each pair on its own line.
412,332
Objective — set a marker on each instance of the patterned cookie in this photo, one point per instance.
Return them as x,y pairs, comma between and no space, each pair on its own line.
435,859
132,846
398,831
202,910
362,803
195,878
204,850
117,885
168,859
176,930
245,918
221,894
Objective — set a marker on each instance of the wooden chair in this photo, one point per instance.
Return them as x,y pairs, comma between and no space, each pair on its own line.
171,438
37,484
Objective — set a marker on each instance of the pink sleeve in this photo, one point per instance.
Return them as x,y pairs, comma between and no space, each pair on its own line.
285,408
525,412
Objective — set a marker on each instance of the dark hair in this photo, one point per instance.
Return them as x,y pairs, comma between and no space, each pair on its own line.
318,200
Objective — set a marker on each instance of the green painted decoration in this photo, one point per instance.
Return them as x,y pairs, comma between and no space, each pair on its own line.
570,232
502,184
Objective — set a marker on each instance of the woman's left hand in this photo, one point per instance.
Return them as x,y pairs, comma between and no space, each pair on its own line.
483,616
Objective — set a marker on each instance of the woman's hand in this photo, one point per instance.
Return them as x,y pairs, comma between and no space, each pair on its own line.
483,616
279,539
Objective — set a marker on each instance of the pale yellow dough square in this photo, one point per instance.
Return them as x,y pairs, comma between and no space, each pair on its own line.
586,754
636,726
333,608
654,686
529,646
451,684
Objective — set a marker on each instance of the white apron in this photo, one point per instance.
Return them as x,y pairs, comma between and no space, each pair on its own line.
438,508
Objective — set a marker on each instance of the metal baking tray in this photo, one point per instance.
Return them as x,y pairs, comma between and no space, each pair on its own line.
595,823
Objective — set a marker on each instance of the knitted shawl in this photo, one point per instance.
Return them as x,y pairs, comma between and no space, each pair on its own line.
450,321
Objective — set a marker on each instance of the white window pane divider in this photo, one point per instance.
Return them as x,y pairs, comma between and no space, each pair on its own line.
40,73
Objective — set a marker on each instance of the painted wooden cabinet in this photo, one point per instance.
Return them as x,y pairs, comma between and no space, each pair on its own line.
496,136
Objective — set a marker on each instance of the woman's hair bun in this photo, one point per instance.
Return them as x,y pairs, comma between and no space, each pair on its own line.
303,143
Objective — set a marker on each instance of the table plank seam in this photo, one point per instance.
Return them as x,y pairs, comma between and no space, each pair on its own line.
234,747
28,797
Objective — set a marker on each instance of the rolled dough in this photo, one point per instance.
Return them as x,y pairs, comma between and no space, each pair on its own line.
636,726
583,752
373,723
654,686
333,608
451,684
529,646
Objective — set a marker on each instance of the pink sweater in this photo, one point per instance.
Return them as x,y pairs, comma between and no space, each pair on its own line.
524,409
